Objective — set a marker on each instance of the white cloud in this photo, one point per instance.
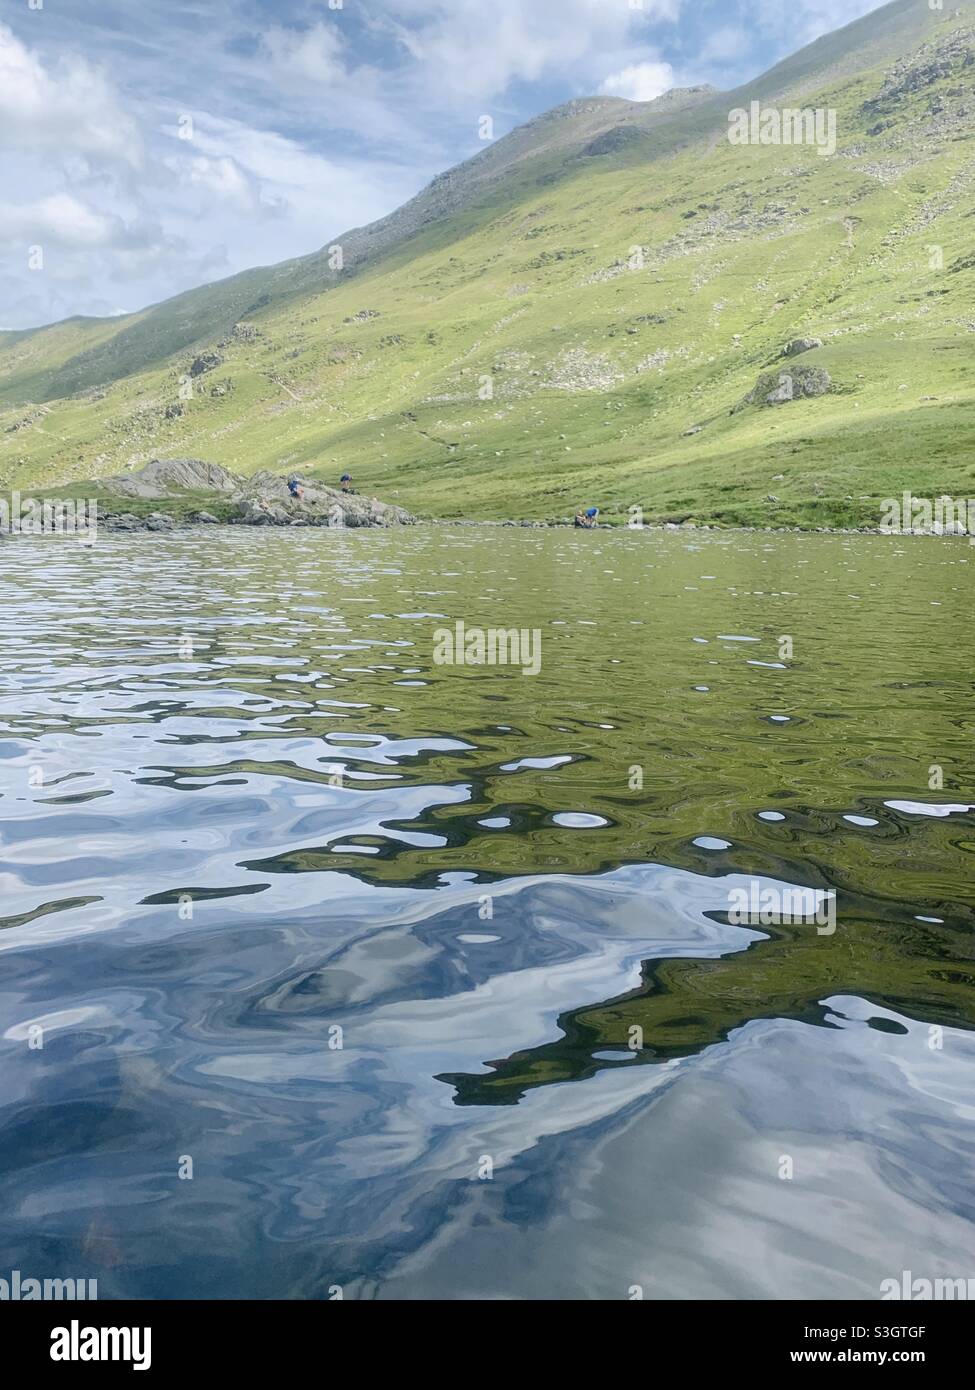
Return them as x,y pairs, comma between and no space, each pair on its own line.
313,54
469,48
298,199
223,178
640,81
83,243
286,169
322,126
310,76
70,109
61,220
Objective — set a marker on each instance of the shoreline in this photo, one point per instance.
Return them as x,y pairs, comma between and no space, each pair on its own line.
162,524
167,495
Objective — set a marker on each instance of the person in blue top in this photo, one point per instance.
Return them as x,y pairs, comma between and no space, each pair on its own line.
296,488
346,481
587,519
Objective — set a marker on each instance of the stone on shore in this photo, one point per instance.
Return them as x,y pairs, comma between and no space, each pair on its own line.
320,506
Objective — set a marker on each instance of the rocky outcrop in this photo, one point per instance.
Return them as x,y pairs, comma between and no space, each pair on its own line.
31,418
261,500
798,345
241,333
945,56
206,362
128,521
125,521
160,477
267,502
777,388
254,512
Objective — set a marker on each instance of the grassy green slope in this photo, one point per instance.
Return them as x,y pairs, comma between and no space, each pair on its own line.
515,363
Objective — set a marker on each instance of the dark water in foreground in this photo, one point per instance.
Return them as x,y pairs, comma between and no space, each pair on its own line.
216,865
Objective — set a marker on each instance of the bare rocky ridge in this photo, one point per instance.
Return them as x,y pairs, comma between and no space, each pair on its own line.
160,477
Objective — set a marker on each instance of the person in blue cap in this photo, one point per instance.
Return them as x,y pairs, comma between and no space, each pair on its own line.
587,519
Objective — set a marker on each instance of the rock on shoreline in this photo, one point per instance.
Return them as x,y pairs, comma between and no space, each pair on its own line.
261,500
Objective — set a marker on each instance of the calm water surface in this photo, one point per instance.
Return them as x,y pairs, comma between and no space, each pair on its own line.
374,942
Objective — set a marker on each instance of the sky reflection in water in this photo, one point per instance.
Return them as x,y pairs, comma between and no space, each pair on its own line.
337,808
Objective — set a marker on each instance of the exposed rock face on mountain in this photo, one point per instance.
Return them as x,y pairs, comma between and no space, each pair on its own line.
160,477
206,362
798,345
241,333
776,388
952,56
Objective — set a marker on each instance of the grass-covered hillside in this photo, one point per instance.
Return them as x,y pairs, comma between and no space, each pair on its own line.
575,315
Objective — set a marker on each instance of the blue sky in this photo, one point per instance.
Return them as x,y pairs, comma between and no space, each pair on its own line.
147,146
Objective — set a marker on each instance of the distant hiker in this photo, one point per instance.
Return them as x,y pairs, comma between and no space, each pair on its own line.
346,481
296,488
587,519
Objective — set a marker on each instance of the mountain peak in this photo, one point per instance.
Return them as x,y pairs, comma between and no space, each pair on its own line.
678,98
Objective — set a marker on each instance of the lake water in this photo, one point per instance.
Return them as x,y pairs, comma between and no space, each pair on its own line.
324,965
